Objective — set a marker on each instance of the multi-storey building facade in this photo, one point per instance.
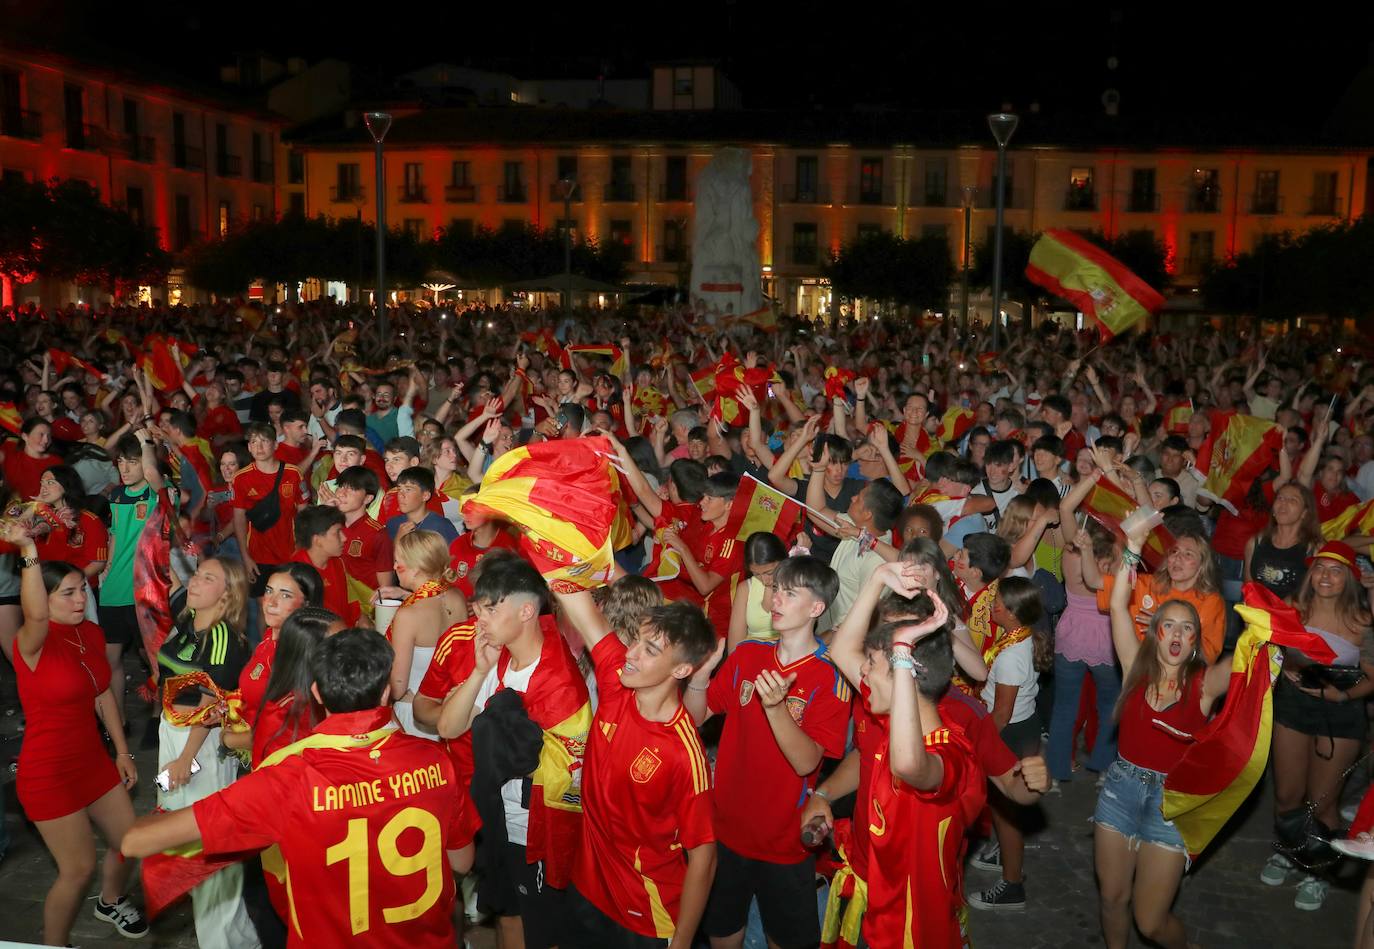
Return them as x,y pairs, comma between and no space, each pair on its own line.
818,182
186,163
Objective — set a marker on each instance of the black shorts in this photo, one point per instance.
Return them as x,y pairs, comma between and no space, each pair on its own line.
786,893
1319,718
519,890
586,927
265,571
9,600
119,624
1023,737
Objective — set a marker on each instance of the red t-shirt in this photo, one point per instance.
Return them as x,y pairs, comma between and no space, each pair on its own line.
759,795
291,454
79,546
335,578
276,544
391,507
270,729
221,421
381,811
724,557
646,799
916,840
367,551
453,662
1331,505
464,554
971,716
869,735
686,519
23,473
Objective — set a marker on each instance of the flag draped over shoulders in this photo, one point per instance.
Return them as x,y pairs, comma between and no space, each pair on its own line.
1227,759
1355,519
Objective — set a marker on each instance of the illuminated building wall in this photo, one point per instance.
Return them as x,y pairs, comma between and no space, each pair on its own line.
180,161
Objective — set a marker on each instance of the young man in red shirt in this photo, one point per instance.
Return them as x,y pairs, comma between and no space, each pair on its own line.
362,813
273,546
715,573
646,786
368,549
484,535
786,707
320,537
296,446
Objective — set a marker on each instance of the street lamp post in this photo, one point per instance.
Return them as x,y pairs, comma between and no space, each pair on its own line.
379,123
566,185
967,253
1003,124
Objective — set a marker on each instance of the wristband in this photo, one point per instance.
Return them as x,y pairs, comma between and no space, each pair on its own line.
817,792
1130,558
906,646
697,688
903,662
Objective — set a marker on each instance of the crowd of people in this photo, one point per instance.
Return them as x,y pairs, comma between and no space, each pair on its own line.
370,696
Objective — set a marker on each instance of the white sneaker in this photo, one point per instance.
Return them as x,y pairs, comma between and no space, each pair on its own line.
1276,870
1311,894
474,916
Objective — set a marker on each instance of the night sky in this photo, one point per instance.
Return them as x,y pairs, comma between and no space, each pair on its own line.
1169,57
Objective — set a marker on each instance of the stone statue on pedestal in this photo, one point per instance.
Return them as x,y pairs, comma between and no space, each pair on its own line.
725,259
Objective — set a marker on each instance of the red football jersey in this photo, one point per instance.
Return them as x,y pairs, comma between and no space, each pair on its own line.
969,714
916,840
276,544
335,587
686,518
291,454
724,556
363,822
463,555
367,551
759,796
453,661
79,546
646,799
218,421
23,473
870,731
391,507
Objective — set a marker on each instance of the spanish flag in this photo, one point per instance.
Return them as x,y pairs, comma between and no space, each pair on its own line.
563,497
836,379
62,361
955,424
648,401
704,381
165,370
556,700
620,364
1092,280
988,362
1109,505
763,318
729,380
757,507
1228,756
1356,519
10,418
545,342
1177,418
1239,450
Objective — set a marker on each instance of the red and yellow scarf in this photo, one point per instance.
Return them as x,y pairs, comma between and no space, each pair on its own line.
425,591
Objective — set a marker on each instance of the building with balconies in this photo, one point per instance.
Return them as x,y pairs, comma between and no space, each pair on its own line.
186,162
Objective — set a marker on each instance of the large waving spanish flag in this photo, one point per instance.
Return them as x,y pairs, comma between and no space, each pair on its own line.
1228,756
563,496
62,361
1356,519
1109,505
1239,450
955,424
165,369
1092,280
729,380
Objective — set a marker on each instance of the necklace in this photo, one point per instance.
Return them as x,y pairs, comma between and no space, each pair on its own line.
78,642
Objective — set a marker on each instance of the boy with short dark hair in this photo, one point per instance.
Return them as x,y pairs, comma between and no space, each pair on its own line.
320,539
367,555
272,544
646,786
786,707
414,488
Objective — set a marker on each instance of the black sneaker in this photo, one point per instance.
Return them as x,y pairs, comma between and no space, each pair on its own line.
989,857
1003,896
123,916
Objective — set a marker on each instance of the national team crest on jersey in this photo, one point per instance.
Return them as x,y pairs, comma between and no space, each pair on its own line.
796,707
746,692
644,766
256,674
355,548
462,569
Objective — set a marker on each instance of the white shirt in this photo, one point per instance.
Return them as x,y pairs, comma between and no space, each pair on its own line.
1014,665
1364,481
517,816
854,569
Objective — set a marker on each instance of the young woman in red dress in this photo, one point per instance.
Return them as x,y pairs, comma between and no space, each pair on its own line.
66,780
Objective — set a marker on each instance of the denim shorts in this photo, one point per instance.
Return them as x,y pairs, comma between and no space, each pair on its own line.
1131,803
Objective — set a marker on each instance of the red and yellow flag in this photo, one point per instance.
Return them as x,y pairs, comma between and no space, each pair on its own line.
763,318
704,381
757,507
1228,756
1109,505
62,361
1239,450
1092,280
620,363
11,420
955,424
648,401
545,342
1356,519
1177,418
563,497
730,378
165,369
836,379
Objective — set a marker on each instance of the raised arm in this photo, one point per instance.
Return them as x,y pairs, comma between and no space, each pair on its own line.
647,496
778,474
584,616
1125,640
908,757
